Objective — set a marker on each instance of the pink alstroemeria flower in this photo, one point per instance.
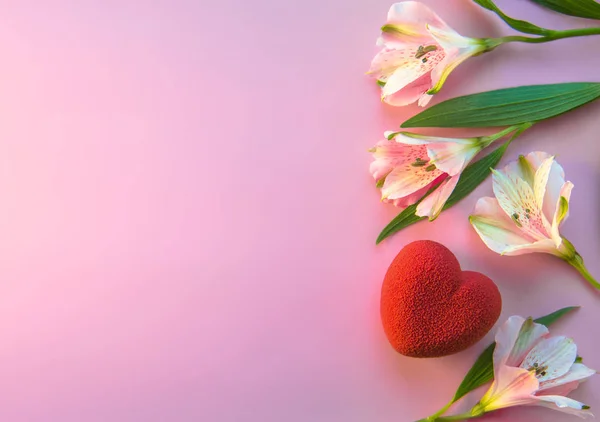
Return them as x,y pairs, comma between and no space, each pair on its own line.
531,202
418,53
532,368
408,165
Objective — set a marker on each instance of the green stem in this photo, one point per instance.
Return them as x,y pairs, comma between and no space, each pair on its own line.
552,36
475,412
487,140
576,261
439,413
462,417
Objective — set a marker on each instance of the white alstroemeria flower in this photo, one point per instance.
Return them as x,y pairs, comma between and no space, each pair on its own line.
408,165
532,368
531,202
418,53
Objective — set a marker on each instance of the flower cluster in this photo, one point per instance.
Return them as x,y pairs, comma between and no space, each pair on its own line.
422,175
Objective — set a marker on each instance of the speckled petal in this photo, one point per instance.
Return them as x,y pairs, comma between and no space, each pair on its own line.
556,355
517,199
387,60
410,69
457,49
451,155
407,178
495,228
387,155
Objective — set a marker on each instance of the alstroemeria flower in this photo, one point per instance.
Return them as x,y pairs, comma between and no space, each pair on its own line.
531,202
532,368
418,53
407,166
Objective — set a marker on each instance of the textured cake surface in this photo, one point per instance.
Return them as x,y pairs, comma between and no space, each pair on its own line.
430,307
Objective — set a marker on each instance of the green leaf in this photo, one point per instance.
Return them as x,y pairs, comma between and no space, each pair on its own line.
471,177
509,106
555,316
480,373
581,8
482,370
519,25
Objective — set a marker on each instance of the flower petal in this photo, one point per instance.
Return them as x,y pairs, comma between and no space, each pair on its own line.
432,205
577,373
511,387
565,405
452,158
541,180
517,199
424,100
451,155
413,198
387,60
541,246
554,187
410,19
554,355
526,165
506,338
449,39
387,155
457,49
410,138
410,69
539,189
561,390
562,212
530,335
411,93
411,175
496,229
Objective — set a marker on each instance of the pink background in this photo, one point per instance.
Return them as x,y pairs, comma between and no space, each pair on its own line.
188,220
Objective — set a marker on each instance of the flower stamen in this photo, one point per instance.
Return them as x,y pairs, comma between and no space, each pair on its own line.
539,370
422,50
515,218
419,162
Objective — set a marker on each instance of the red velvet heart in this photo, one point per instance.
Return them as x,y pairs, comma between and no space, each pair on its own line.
430,307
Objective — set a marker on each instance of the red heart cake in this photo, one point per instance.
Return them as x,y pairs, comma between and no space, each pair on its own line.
430,307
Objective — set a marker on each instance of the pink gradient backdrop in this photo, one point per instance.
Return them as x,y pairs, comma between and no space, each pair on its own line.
188,222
